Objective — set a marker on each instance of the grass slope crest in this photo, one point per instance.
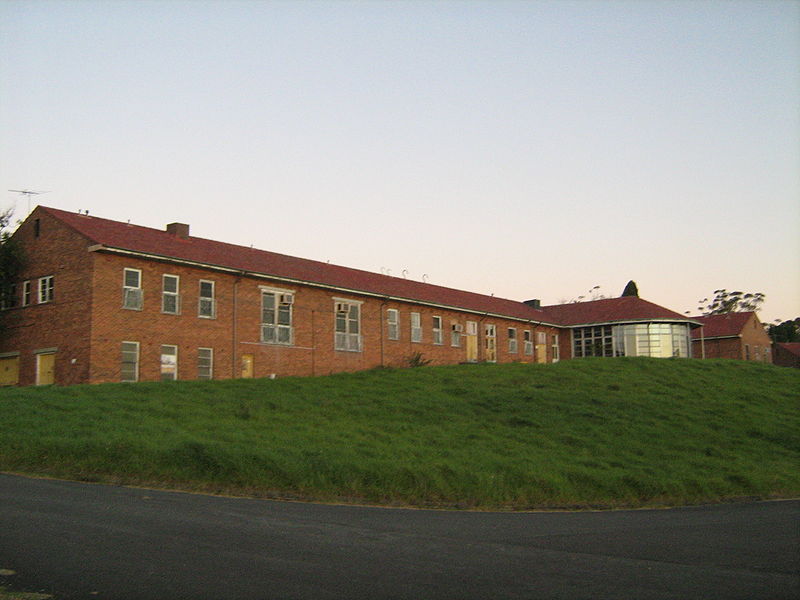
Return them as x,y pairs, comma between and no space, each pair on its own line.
595,433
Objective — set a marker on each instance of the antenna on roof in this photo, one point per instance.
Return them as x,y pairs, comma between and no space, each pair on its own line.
28,194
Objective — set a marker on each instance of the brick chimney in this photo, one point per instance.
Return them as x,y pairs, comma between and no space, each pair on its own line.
179,229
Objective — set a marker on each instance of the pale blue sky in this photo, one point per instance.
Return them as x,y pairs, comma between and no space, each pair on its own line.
525,149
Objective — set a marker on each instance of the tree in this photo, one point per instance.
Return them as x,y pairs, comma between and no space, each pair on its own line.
728,302
11,258
788,331
631,289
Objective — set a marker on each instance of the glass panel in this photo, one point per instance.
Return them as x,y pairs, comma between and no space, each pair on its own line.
132,278
284,314
206,289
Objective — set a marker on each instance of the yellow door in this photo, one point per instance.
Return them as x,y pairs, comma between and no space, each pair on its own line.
472,341
247,366
9,370
45,364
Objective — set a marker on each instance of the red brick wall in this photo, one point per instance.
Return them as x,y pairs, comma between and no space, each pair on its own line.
236,331
62,324
752,343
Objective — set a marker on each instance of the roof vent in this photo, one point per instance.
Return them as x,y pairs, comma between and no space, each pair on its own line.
179,229
535,303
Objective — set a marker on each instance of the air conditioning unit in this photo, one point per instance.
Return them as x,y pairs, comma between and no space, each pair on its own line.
342,307
458,327
286,299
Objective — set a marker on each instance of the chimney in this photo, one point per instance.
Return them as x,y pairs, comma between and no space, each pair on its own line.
179,229
536,303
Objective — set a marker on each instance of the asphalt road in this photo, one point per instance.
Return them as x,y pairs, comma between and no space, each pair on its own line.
104,542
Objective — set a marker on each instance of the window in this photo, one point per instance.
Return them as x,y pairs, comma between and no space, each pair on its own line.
416,328
556,354
348,326
8,297
527,343
206,306
205,363
130,361
169,363
437,330
455,334
747,351
26,293
276,316
393,323
170,294
45,289
132,297
512,340
490,340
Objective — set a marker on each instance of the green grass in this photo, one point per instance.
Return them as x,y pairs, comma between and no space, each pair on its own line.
583,433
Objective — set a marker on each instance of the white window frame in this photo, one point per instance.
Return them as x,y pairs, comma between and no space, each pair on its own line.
176,295
393,323
132,296
26,293
135,363
207,305
555,348
344,338
437,330
46,289
274,331
205,371
416,327
527,343
456,329
513,344
169,368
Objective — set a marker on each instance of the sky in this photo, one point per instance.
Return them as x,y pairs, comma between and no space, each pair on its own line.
522,149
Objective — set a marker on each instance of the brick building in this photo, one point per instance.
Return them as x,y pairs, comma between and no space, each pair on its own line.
786,354
105,301
737,335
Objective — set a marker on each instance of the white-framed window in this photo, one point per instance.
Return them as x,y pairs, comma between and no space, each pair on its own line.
205,363
490,341
276,316
132,297
170,294
556,352
206,303
46,289
8,297
456,329
416,327
347,316
437,330
472,328
393,323
541,337
169,362
527,343
512,340
130,362
26,293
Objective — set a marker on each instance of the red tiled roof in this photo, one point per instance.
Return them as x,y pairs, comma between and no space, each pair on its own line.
156,242
726,325
792,347
610,310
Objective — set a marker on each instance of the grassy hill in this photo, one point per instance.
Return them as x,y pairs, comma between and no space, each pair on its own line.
591,432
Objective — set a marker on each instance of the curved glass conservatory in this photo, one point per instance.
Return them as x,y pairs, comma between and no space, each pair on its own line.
658,340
